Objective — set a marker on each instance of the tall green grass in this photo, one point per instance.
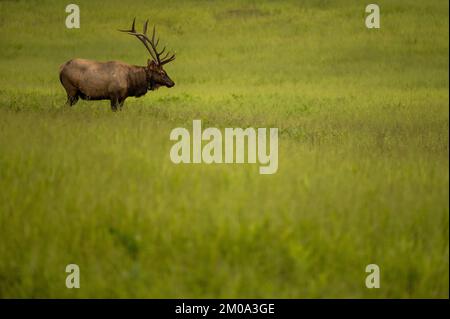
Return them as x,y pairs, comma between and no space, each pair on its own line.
363,161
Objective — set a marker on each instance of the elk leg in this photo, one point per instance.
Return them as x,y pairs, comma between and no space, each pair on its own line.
114,104
72,100
121,103
72,92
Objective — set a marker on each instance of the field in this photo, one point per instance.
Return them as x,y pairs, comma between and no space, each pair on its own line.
363,171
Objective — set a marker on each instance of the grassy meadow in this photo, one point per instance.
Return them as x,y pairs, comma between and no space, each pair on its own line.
363,174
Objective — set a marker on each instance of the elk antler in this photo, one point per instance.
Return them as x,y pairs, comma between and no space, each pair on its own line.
150,44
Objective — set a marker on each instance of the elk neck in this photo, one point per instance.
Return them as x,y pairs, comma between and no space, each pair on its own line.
137,81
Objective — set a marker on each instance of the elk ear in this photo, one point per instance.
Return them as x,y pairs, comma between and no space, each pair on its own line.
151,64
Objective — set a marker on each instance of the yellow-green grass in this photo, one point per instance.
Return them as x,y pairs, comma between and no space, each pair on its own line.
363,159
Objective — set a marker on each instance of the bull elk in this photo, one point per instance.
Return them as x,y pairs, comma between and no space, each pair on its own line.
114,80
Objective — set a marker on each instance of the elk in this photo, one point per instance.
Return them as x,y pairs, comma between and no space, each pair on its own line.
115,80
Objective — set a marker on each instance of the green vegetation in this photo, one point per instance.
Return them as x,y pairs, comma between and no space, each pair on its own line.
363,163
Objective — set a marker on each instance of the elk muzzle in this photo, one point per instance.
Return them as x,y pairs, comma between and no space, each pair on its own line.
170,83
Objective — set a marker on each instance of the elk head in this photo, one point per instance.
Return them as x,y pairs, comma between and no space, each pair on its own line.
156,76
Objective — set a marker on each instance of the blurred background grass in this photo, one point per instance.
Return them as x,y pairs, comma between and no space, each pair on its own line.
363,171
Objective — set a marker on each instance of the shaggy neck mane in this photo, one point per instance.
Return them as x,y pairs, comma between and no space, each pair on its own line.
137,81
